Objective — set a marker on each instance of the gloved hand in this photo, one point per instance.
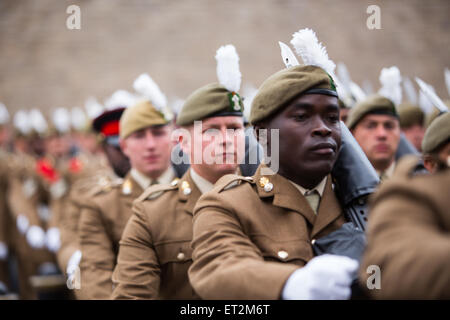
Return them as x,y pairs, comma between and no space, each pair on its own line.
3,251
22,223
35,237
326,277
52,239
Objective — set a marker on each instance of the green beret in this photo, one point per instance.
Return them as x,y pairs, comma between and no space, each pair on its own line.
140,116
410,115
372,104
284,86
210,100
437,133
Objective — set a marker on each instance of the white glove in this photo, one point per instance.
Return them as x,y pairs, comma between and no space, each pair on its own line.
52,239
36,237
74,262
326,277
3,251
22,223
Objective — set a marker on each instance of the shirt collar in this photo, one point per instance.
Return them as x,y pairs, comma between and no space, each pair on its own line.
320,187
202,184
145,181
388,172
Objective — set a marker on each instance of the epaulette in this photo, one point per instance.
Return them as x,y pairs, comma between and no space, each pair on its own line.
230,181
157,190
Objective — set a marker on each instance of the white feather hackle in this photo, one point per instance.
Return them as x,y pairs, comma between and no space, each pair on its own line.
357,92
4,114
248,92
78,118
37,120
447,80
61,120
311,50
120,98
288,56
425,103
228,72
431,94
410,91
149,90
93,108
391,79
22,122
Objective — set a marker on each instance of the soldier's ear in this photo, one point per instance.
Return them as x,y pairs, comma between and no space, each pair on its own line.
429,163
123,145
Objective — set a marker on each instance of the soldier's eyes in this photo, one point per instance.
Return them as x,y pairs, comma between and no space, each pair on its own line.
300,117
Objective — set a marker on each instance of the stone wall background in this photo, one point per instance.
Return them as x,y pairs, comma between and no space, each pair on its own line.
45,65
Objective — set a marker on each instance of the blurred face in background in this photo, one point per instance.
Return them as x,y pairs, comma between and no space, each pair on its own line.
57,146
379,136
415,134
149,150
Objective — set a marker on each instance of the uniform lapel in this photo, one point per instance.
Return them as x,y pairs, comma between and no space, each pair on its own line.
329,209
135,190
284,195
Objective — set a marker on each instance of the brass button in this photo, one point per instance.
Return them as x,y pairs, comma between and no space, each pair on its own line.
283,254
180,256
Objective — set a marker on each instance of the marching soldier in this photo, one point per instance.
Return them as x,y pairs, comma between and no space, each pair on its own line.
412,120
409,225
252,236
375,125
155,251
145,139
106,126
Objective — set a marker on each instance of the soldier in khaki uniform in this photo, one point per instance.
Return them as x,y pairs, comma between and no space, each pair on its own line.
145,138
375,125
436,144
107,127
252,236
155,251
409,227
412,120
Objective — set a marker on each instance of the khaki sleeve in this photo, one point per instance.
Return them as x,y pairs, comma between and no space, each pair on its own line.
226,264
137,274
98,257
406,241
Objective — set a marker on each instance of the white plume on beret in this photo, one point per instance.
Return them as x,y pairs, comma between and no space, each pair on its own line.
93,108
425,103
429,92
447,80
248,92
22,122
4,114
228,71
312,51
391,79
61,120
148,89
120,98
78,118
38,121
409,90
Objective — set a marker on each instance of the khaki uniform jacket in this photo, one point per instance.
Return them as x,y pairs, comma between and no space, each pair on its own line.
102,220
248,241
155,251
409,236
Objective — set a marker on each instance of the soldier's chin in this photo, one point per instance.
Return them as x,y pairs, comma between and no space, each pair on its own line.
225,168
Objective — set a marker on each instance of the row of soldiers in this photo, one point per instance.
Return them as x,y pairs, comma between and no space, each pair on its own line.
216,225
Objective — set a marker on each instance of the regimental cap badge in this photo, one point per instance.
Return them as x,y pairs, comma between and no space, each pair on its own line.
236,103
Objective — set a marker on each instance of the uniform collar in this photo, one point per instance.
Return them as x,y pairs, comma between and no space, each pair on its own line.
388,172
320,187
284,194
144,181
202,184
